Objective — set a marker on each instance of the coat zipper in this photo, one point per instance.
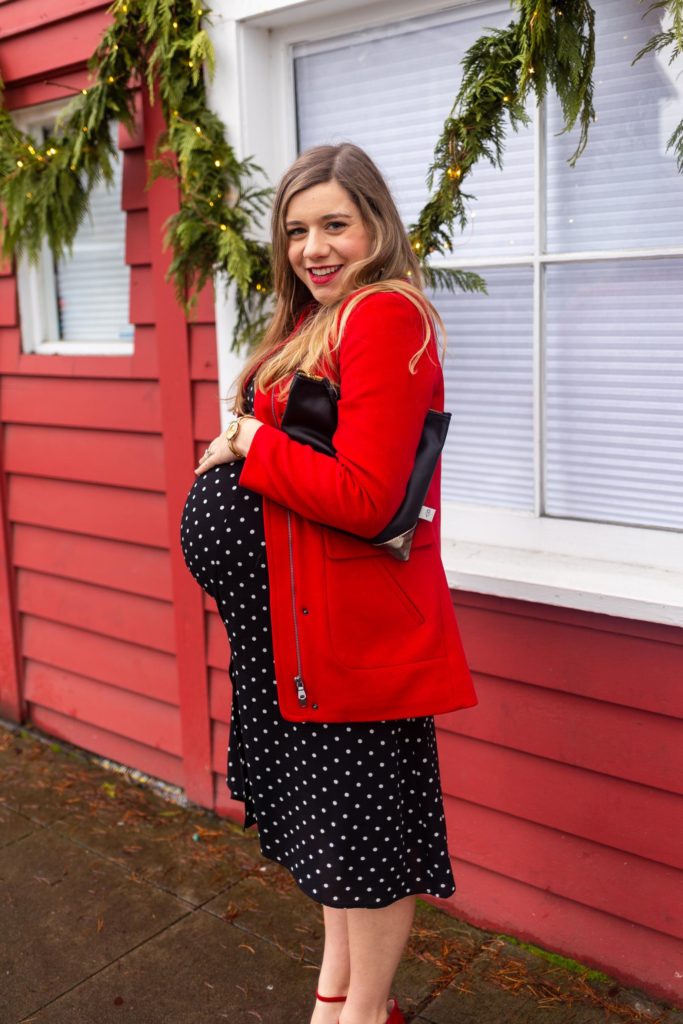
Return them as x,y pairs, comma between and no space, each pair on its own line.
298,678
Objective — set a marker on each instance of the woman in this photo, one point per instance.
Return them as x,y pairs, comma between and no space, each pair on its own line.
340,654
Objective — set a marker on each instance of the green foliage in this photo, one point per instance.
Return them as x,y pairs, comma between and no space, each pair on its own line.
670,38
46,187
551,43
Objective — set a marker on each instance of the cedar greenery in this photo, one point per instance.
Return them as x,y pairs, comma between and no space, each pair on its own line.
45,187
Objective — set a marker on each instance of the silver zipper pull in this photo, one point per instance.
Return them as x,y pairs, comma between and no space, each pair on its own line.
300,691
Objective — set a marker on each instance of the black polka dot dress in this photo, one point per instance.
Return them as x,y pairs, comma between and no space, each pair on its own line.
353,810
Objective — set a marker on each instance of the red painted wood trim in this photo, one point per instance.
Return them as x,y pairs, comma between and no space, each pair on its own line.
176,415
31,15
106,743
140,366
108,404
90,509
130,715
132,568
144,621
123,665
117,458
24,55
10,664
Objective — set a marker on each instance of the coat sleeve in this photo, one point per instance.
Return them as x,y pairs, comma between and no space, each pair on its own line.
381,413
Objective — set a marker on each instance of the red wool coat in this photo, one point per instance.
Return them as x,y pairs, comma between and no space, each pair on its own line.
357,634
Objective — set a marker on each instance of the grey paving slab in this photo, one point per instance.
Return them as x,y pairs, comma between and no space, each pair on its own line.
14,826
66,913
199,971
44,782
184,851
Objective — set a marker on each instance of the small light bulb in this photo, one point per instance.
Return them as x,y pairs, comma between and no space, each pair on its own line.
217,163
84,91
175,24
190,64
20,163
224,227
198,129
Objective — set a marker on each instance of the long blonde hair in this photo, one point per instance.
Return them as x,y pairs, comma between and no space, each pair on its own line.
391,266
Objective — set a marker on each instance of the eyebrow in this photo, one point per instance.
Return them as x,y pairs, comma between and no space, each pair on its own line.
325,216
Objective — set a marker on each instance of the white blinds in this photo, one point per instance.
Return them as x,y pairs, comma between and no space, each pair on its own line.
93,283
614,389
488,370
611,342
625,191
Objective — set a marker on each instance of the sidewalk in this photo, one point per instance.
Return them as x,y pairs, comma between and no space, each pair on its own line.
119,906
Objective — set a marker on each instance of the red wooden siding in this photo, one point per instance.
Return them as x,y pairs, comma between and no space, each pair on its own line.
563,800
97,455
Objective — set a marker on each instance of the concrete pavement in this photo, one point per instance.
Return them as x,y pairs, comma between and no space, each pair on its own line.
120,906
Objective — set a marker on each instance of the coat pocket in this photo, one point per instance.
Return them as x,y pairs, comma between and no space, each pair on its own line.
381,612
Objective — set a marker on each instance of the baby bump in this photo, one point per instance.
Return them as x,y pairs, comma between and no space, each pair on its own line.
221,528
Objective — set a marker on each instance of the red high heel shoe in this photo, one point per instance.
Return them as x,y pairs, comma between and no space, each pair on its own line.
395,1017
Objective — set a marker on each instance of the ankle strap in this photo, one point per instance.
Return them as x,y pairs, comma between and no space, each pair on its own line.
330,999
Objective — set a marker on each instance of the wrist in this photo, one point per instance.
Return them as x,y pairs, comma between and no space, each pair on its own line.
234,435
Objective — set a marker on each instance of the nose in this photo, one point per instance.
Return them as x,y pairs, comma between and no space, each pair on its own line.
316,245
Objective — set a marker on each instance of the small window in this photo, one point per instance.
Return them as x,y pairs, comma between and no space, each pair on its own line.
79,304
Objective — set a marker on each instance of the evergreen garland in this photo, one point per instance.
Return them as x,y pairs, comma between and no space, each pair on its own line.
45,188
552,42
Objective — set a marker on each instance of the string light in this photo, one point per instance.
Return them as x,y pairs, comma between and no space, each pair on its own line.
175,24
190,64
224,227
198,129
84,91
20,163
454,172
217,163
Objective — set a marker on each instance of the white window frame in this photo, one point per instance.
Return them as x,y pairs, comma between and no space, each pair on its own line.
633,572
36,282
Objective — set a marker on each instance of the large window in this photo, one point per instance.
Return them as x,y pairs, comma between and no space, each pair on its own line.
566,381
79,303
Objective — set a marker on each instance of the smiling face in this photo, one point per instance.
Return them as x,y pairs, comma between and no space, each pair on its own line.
325,234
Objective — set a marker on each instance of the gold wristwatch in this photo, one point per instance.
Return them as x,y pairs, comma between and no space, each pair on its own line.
231,433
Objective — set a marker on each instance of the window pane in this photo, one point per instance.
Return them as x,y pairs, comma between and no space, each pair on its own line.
389,92
488,457
625,191
614,390
93,283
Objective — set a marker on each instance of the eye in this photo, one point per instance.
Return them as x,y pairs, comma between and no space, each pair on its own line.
334,224
293,231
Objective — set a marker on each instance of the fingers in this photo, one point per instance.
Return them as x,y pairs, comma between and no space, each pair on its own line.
212,456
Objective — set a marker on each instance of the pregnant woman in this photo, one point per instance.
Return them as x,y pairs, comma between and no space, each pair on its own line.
340,654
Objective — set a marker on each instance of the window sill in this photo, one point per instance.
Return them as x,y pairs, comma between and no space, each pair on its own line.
611,588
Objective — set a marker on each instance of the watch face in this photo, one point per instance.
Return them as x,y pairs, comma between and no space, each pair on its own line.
232,429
